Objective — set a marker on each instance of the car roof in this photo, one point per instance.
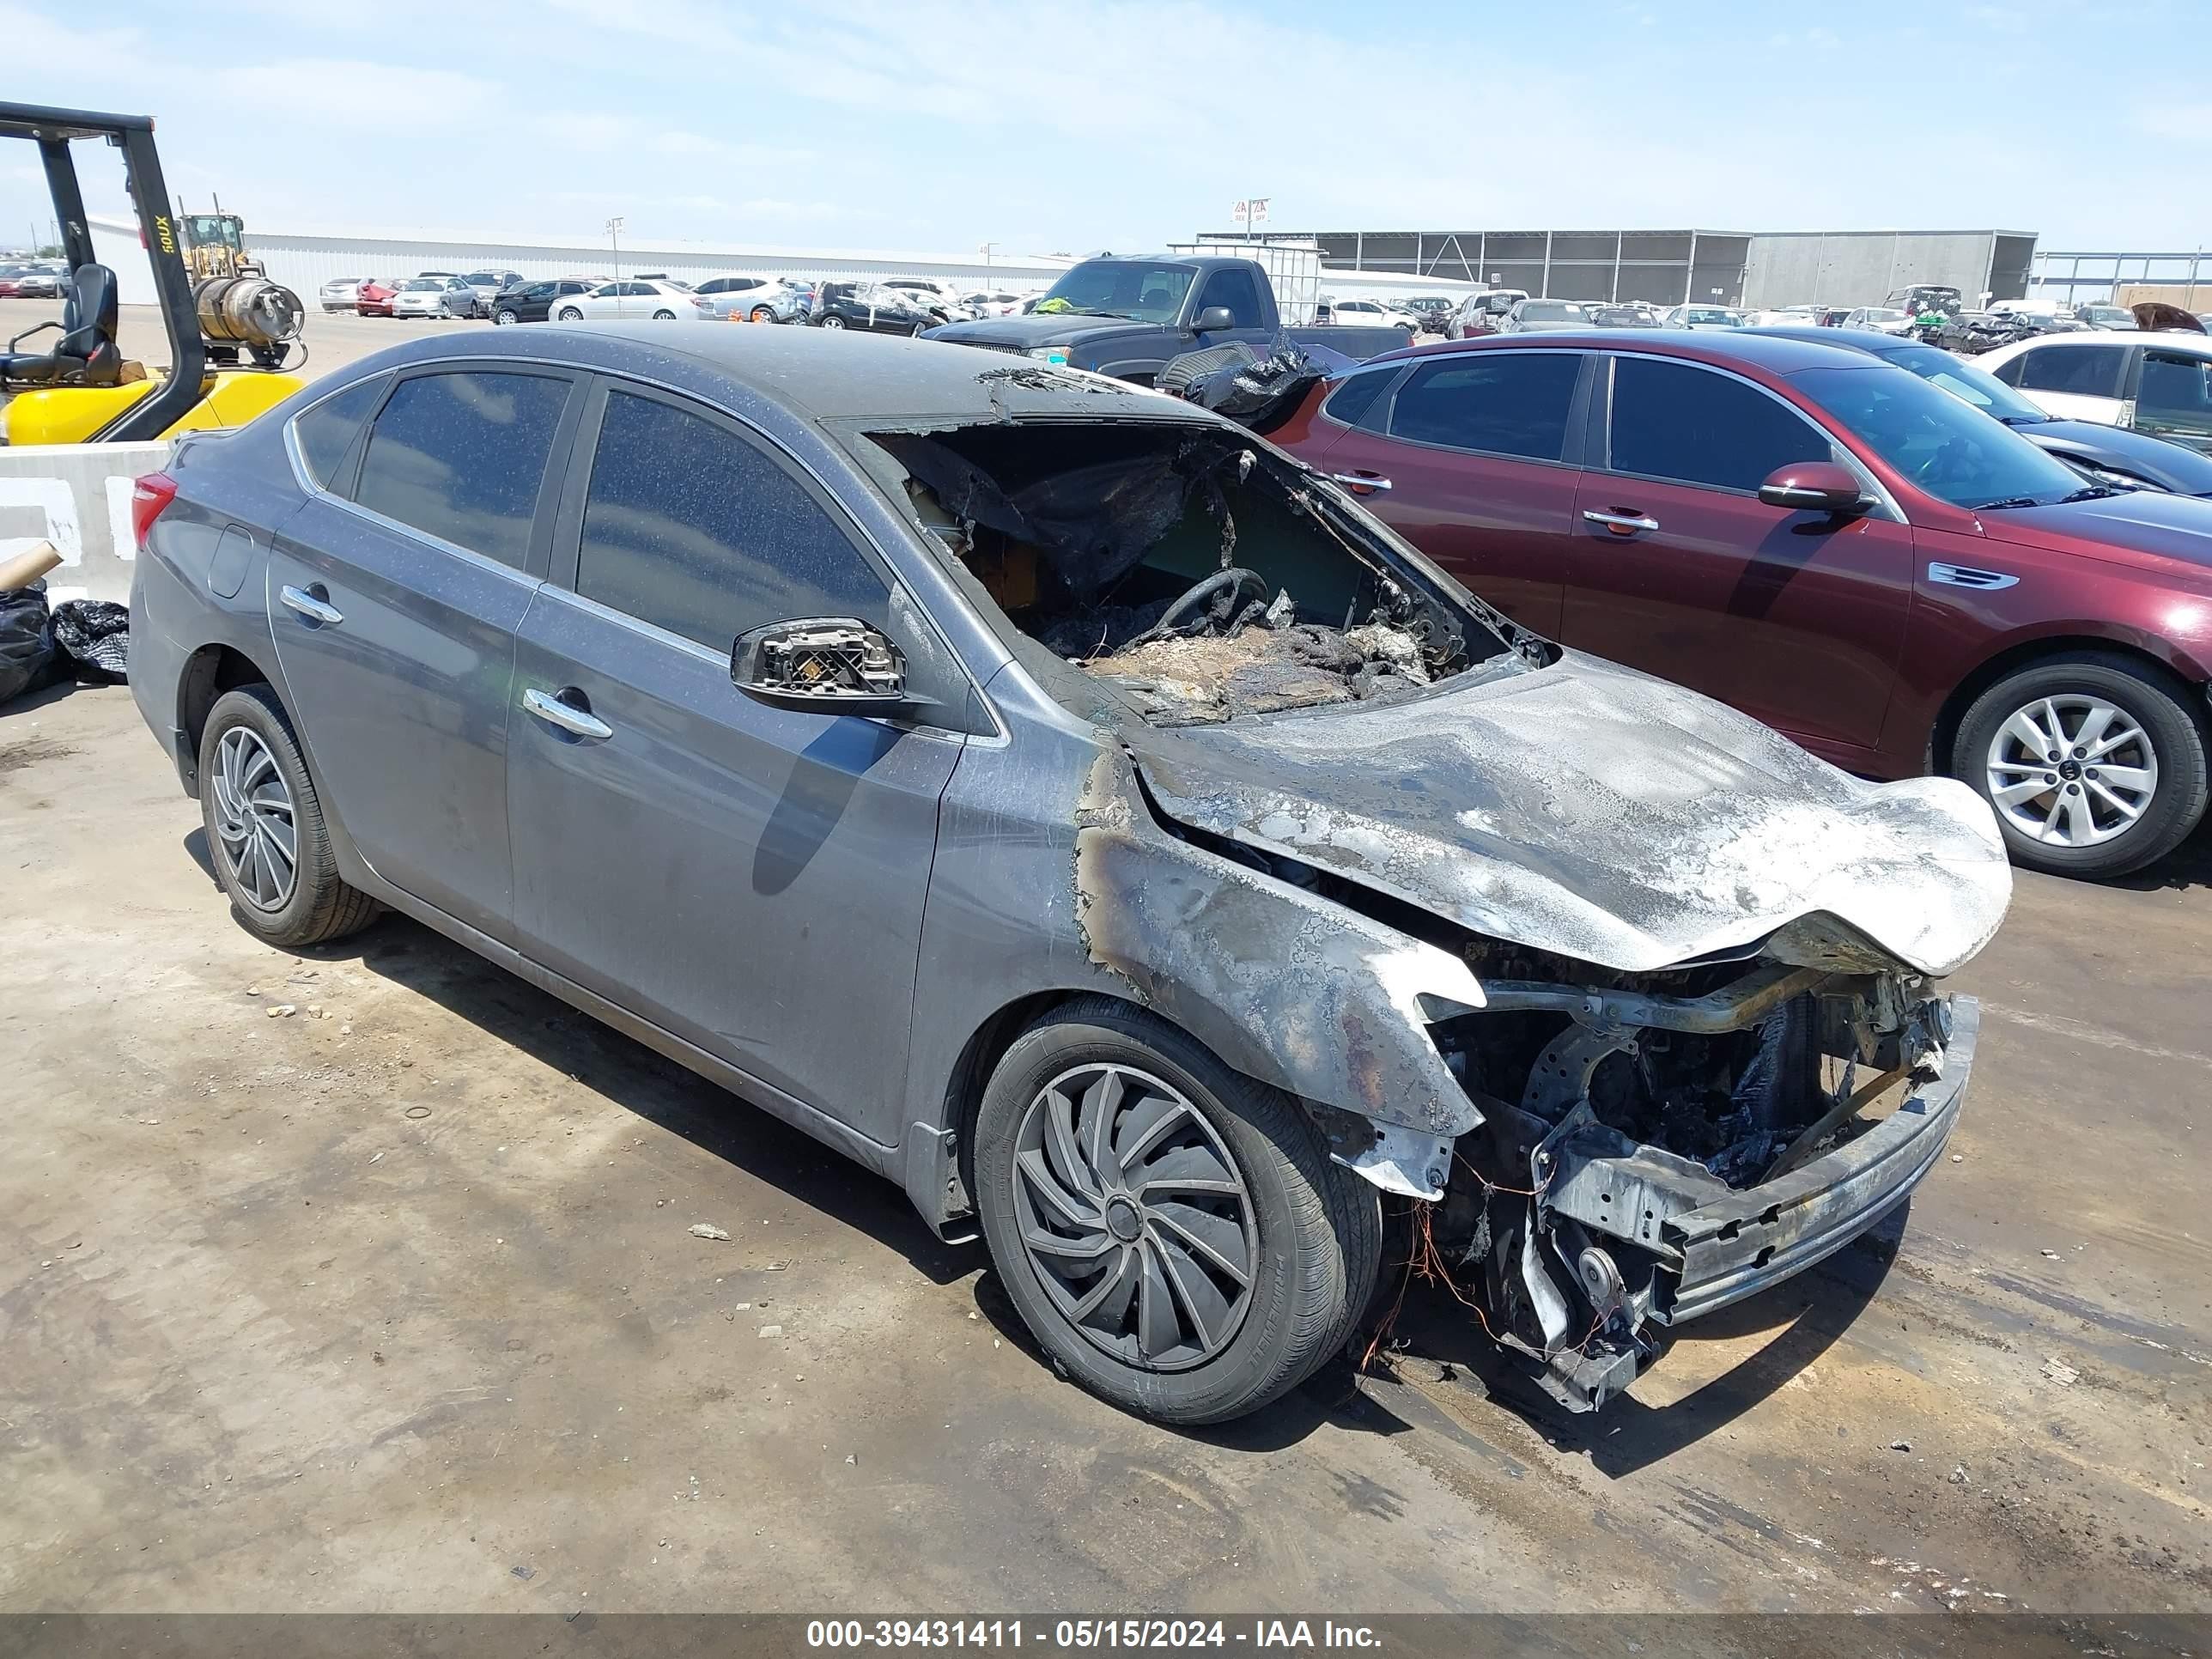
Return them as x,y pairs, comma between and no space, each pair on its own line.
818,375
1772,351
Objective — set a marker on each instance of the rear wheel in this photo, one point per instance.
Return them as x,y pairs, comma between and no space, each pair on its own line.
2094,765
663,316
832,320
1172,1232
266,836
762,314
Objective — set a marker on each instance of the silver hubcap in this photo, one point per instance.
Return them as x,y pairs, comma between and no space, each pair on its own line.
253,821
2072,771
1134,1217
833,322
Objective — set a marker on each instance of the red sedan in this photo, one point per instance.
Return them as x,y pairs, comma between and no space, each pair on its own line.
1827,542
373,297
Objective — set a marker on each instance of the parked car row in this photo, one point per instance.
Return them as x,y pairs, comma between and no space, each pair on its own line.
32,279
1878,558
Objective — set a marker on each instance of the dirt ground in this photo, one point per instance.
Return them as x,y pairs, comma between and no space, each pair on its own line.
389,1305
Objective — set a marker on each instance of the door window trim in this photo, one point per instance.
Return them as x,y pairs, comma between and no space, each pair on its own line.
349,464
1598,435
557,460
1573,446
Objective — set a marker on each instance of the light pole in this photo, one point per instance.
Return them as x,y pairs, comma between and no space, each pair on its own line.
614,240
986,252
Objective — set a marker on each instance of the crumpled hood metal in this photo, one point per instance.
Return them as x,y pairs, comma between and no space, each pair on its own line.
1593,811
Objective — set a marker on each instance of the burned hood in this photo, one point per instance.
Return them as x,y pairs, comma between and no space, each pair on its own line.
1593,811
1020,333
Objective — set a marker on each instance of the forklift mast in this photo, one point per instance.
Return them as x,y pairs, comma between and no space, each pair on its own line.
52,130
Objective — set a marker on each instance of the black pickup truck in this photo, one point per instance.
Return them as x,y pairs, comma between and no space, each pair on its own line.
1126,316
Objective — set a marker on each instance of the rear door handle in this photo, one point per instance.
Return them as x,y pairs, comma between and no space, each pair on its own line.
1621,524
581,722
313,606
1361,480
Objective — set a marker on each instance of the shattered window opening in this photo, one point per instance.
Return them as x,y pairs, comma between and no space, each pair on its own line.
1199,578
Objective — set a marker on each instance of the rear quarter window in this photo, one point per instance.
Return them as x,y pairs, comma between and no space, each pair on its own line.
326,431
1352,402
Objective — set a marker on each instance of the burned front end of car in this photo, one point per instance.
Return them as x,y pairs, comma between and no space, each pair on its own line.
1654,1146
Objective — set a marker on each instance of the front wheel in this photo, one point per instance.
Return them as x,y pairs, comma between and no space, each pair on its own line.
570,314
1173,1233
505,317
2094,765
265,831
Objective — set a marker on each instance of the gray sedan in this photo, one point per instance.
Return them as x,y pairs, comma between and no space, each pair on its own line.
1078,812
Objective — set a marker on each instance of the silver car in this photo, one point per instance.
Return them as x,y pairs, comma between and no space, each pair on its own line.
899,735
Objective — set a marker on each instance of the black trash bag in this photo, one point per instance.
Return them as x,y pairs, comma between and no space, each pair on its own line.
1254,391
95,636
26,640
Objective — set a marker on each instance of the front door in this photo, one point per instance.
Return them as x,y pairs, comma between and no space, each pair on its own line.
746,877
1471,460
1679,569
393,601
2174,397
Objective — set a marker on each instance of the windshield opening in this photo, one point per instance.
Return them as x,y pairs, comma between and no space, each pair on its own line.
1195,577
1953,451
1129,288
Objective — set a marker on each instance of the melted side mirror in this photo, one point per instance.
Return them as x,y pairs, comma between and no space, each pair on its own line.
1815,487
833,663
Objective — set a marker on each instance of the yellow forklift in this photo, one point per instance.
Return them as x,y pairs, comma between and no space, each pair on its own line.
231,337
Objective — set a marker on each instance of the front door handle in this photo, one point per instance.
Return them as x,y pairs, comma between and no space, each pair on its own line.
313,606
1361,480
1621,524
580,722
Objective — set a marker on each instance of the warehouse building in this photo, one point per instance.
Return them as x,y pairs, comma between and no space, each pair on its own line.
1671,267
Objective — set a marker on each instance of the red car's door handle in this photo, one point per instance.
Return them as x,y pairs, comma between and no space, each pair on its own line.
1361,481
1619,522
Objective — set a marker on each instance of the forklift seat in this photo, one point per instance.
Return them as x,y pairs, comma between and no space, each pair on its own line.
86,354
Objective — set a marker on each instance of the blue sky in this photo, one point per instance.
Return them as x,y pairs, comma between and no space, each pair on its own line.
1076,125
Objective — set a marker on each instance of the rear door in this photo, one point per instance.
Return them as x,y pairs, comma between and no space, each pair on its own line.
1679,569
393,597
746,877
1472,458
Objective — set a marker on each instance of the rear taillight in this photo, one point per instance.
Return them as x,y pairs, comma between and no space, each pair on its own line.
149,495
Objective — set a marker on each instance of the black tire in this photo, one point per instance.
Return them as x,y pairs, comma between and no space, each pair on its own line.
832,320
2160,708
505,317
569,314
762,314
321,907
663,316
1318,1226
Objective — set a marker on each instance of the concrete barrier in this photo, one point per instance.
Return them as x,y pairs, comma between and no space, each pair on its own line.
78,497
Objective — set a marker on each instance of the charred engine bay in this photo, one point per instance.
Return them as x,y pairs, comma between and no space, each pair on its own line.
1201,578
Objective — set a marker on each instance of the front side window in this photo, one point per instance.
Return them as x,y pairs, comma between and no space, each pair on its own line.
1690,425
693,529
1502,402
462,455
2083,371
326,431
2176,393
1237,291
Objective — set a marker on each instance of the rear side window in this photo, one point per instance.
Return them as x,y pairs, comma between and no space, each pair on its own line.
1503,403
326,431
1351,402
461,456
1690,425
2086,371
693,529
